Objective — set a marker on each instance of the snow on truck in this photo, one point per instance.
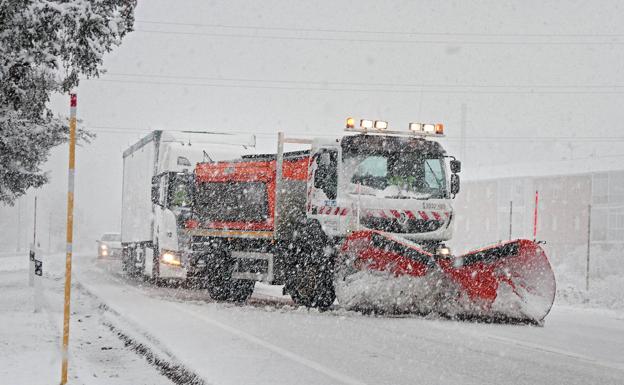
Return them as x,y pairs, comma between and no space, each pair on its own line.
362,217
156,201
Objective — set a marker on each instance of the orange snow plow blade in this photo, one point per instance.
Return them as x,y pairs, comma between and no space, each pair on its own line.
507,281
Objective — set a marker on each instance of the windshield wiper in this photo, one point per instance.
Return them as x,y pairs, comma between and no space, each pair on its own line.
407,197
438,180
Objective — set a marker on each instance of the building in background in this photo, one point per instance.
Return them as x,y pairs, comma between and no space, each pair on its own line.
491,210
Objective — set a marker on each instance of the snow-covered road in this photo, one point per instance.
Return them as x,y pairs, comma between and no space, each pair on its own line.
275,343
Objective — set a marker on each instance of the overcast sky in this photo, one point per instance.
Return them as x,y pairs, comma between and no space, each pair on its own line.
530,70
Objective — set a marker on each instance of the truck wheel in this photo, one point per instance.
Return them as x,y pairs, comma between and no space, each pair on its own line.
156,265
125,257
241,290
230,290
314,288
312,281
219,282
129,261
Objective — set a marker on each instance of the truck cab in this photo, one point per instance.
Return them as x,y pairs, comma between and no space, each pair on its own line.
172,195
157,195
397,183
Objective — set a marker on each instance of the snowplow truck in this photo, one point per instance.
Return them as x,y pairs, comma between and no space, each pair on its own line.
363,218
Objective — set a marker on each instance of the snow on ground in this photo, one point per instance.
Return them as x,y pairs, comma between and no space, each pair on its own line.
270,341
604,292
30,342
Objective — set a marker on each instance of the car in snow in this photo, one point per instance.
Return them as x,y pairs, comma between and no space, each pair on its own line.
109,246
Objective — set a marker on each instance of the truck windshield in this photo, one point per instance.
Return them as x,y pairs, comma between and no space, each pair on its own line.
397,174
232,201
180,191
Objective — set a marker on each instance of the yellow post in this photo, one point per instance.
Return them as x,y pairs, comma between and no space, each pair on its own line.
70,232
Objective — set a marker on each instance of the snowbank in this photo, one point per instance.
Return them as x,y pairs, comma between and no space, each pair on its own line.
604,292
30,341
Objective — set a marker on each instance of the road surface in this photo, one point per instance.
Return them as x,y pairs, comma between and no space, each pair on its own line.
269,341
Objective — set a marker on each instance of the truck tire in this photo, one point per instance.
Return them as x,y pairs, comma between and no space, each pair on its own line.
125,259
241,290
311,283
129,261
155,265
230,290
219,282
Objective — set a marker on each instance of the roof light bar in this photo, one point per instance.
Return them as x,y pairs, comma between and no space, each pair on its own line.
429,128
381,125
366,124
417,127
372,126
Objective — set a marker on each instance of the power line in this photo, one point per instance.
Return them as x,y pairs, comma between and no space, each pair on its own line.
138,130
134,130
378,32
336,89
384,41
372,84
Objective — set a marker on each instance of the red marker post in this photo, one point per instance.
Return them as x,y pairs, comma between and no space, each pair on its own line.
535,216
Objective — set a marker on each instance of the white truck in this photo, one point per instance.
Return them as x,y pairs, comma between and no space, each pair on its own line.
157,181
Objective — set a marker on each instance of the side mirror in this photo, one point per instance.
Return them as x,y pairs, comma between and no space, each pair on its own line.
155,192
455,166
454,184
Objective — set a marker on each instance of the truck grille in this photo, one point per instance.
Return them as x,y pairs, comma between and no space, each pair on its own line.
393,225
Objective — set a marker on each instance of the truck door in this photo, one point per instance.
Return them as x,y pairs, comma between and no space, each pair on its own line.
323,189
159,198
173,199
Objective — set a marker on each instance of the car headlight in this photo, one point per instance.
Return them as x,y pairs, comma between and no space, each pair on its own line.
103,247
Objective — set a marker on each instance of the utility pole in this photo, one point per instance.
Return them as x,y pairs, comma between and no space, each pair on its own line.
35,224
50,232
588,247
19,225
510,218
36,266
33,247
462,133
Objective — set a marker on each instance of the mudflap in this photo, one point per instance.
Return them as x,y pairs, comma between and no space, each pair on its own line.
511,281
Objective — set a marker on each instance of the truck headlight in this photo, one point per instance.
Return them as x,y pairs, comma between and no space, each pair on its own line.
170,258
443,251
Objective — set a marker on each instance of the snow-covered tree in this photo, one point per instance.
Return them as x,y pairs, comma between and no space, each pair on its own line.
45,45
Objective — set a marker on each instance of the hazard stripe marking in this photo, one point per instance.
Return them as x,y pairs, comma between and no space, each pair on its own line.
328,210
